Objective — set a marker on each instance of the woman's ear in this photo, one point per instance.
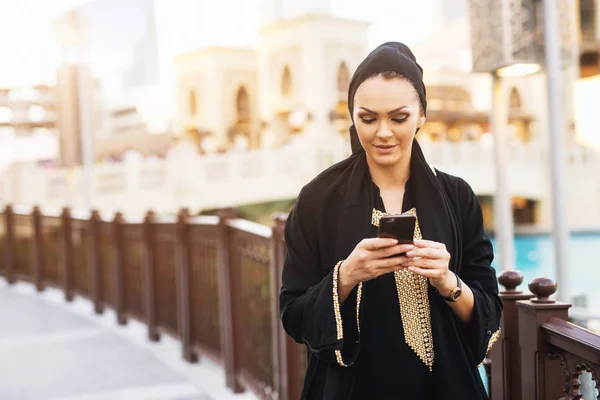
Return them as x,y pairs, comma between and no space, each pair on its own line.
422,120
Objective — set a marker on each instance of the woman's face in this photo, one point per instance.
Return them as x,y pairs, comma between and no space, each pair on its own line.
387,113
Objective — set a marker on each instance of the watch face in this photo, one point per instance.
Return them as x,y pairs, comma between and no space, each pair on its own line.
456,294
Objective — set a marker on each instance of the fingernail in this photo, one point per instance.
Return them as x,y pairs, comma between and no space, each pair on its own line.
409,253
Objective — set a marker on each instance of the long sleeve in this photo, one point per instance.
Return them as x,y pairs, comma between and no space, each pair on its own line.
307,293
478,273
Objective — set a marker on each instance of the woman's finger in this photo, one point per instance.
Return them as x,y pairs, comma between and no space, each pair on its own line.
429,243
390,262
393,251
428,273
427,252
378,243
424,263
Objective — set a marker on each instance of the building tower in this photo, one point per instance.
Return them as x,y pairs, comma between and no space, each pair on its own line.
306,57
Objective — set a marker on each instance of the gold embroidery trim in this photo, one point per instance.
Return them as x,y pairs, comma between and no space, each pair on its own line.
493,339
414,303
338,315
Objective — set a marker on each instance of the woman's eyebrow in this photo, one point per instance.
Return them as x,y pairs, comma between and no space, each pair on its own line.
395,110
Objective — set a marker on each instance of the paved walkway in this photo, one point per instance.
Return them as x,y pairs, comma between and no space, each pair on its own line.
53,350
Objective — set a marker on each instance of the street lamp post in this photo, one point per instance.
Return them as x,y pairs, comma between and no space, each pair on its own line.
557,156
503,217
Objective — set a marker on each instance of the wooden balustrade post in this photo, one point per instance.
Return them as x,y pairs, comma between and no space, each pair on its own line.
38,249
539,380
183,286
288,382
119,258
149,232
505,356
9,244
67,268
230,290
94,257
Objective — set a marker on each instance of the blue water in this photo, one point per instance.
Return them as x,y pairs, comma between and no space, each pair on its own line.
535,257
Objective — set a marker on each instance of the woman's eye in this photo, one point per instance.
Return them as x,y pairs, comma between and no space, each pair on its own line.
367,120
399,120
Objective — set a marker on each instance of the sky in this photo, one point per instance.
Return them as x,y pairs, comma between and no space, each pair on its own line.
28,51
30,54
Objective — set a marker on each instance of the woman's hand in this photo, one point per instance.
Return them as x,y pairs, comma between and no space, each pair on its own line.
431,260
370,258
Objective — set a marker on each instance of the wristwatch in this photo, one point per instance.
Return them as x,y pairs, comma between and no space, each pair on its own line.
455,293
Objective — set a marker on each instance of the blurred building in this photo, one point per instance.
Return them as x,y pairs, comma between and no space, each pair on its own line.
589,38
27,110
115,44
28,125
459,104
218,97
70,99
292,87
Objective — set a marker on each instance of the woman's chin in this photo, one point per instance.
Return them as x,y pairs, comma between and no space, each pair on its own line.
387,160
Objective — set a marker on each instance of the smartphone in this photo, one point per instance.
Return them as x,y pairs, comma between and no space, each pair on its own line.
398,226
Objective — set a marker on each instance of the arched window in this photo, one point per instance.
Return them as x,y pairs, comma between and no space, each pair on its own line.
515,100
343,78
286,82
242,105
518,121
192,102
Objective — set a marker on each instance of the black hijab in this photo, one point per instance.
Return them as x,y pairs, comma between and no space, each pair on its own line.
437,218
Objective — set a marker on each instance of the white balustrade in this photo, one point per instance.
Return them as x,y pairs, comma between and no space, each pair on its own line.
475,163
185,179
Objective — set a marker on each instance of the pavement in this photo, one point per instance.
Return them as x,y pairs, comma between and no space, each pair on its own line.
54,350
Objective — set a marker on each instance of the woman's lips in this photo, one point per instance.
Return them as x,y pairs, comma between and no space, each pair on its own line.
385,149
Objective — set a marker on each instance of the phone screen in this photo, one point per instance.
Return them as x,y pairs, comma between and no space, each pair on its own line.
400,227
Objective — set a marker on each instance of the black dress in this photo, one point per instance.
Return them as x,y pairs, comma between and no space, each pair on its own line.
331,216
386,365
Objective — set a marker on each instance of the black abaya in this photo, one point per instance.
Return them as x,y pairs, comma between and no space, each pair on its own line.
331,215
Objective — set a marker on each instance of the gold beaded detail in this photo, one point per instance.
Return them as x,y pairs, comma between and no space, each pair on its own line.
338,315
376,217
493,340
414,303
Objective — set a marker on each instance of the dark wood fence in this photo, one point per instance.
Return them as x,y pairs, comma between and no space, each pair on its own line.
540,355
213,282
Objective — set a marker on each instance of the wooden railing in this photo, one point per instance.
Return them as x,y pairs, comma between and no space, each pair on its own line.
540,355
213,283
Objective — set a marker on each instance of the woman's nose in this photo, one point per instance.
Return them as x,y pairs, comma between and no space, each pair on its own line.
384,131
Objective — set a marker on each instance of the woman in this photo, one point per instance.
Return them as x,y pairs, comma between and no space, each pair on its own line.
382,320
